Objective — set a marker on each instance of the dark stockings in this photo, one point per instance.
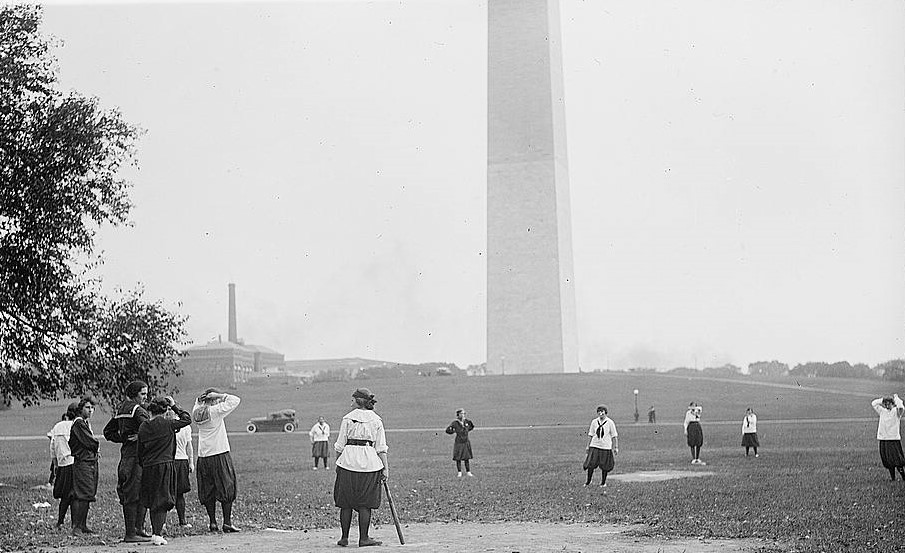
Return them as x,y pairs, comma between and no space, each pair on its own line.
364,522
591,475
226,506
140,514
318,458
180,508
345,521
158,518
130,512
749,447
467,466
212,513
64,506
79,515
695,451
227,512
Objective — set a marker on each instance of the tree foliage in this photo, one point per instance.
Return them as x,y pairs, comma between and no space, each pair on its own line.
892,370
768,368
60,157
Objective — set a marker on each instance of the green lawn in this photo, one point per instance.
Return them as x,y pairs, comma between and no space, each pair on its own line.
816,486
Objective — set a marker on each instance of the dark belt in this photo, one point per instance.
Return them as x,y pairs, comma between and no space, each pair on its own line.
359,442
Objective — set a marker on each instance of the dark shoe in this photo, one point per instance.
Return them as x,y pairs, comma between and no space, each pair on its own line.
343,542
368,542
86,530
213,527
135,539
140,532
229,529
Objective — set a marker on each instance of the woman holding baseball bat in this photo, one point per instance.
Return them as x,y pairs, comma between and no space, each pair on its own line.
361,466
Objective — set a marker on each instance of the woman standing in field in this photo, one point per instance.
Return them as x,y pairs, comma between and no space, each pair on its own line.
749,432
83,446
216,475
693,432
319,436
59,447
461,445
185,465
603,446
890,410
156,453
360,467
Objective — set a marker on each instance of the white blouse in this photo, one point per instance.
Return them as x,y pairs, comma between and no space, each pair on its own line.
890,420
605,440
183,438
212,438
692,415
361,424
59,443
749,424
319,432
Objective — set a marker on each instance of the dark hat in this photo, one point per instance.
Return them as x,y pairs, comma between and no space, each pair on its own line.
363,393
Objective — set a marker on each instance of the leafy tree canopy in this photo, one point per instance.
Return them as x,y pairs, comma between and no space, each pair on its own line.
60,155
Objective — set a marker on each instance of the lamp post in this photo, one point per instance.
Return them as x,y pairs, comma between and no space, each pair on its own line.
636,405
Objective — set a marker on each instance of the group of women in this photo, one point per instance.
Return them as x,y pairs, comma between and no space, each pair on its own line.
156,459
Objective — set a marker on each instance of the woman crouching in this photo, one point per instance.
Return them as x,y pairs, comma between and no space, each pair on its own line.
360,467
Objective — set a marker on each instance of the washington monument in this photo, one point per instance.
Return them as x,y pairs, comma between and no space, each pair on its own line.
531,323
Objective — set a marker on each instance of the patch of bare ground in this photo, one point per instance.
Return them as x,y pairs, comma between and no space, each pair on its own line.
501,537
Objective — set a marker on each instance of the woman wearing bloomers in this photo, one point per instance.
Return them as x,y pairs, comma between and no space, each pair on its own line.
214,471
890,410
361,466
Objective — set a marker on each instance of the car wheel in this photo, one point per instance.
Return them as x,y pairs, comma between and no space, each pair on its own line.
288,427
251,428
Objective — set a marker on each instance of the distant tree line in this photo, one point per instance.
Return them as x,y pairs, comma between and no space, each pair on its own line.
890,370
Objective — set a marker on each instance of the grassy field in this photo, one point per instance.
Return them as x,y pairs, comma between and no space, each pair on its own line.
816,487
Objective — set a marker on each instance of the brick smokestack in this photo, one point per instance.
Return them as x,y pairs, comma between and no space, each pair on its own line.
233,333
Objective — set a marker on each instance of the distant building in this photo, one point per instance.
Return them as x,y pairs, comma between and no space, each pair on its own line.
230,363
221,364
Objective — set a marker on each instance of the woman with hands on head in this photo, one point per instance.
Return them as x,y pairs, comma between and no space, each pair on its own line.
156,453
215,473
694,434
891,410
461,445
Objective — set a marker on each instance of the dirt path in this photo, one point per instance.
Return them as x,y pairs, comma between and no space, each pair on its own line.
453,537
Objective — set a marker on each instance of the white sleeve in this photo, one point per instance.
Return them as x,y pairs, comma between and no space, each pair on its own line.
341,439
227,406
380,444
876,405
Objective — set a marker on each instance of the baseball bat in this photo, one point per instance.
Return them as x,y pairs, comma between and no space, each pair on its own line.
393,512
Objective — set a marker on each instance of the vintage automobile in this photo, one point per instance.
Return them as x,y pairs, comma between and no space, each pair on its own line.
277,421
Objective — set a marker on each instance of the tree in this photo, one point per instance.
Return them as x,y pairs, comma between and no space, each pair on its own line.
131,339
768,368
60,155
892,370
726,370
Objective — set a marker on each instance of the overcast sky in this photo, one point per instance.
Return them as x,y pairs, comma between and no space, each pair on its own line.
737,174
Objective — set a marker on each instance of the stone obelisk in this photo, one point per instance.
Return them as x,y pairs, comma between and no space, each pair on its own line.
233,331
531,322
